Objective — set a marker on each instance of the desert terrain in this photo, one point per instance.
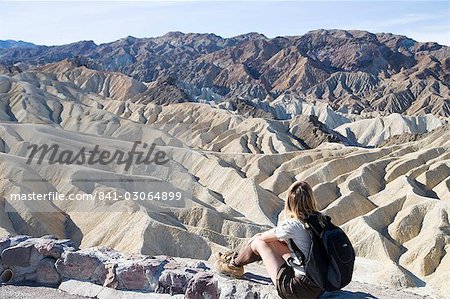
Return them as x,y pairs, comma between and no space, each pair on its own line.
362,117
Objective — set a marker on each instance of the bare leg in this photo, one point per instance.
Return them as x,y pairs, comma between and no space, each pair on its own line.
273,254
246,254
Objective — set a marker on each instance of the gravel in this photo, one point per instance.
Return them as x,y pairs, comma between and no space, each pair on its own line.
29,292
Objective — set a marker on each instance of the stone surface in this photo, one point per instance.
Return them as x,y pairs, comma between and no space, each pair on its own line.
17,255
174,281
35,292
33,259
46,273
134,275
83,265
90,290
202,286
9,241
53,248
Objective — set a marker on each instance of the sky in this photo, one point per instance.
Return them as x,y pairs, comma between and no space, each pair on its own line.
61,22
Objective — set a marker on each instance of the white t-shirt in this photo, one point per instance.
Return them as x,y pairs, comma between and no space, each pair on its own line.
295,230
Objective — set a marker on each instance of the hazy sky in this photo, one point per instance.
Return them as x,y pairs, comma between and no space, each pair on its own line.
59,22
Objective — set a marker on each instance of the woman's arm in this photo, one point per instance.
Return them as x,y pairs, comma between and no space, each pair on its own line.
268,236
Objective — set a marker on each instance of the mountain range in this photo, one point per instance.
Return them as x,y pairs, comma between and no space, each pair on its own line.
355,72
8,44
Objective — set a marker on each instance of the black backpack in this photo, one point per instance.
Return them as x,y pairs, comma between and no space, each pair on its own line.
331,255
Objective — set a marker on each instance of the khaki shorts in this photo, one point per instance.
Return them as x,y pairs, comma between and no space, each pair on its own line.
295,287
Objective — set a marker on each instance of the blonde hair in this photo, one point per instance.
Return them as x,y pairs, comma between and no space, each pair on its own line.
301,201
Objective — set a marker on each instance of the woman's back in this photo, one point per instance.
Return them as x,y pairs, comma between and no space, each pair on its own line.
294,229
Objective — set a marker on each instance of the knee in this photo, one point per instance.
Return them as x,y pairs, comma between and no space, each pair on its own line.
256,238
258,244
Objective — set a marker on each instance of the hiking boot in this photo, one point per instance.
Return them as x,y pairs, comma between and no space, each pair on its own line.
224,264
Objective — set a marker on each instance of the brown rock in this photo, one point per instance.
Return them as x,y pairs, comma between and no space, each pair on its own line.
17,255
83,265
52,248
175,281
201,286
132,277
140,274
46,273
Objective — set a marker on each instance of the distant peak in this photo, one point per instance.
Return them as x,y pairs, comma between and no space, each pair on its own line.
85,43
6,44
130,37
174,34
251,35
336,32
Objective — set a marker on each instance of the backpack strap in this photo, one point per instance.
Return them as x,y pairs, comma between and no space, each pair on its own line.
298,253
318,226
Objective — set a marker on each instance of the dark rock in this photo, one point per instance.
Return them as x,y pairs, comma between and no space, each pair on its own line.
133,276
17,255
201,286
141,274
82,265
46,273
175,281
201,265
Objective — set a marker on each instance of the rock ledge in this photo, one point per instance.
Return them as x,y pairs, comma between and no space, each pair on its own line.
103,272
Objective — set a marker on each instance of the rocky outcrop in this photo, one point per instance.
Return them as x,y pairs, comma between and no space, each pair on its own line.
33,259
313,133
47,261
106,273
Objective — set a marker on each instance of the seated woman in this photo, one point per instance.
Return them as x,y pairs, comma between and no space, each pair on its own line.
273,248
